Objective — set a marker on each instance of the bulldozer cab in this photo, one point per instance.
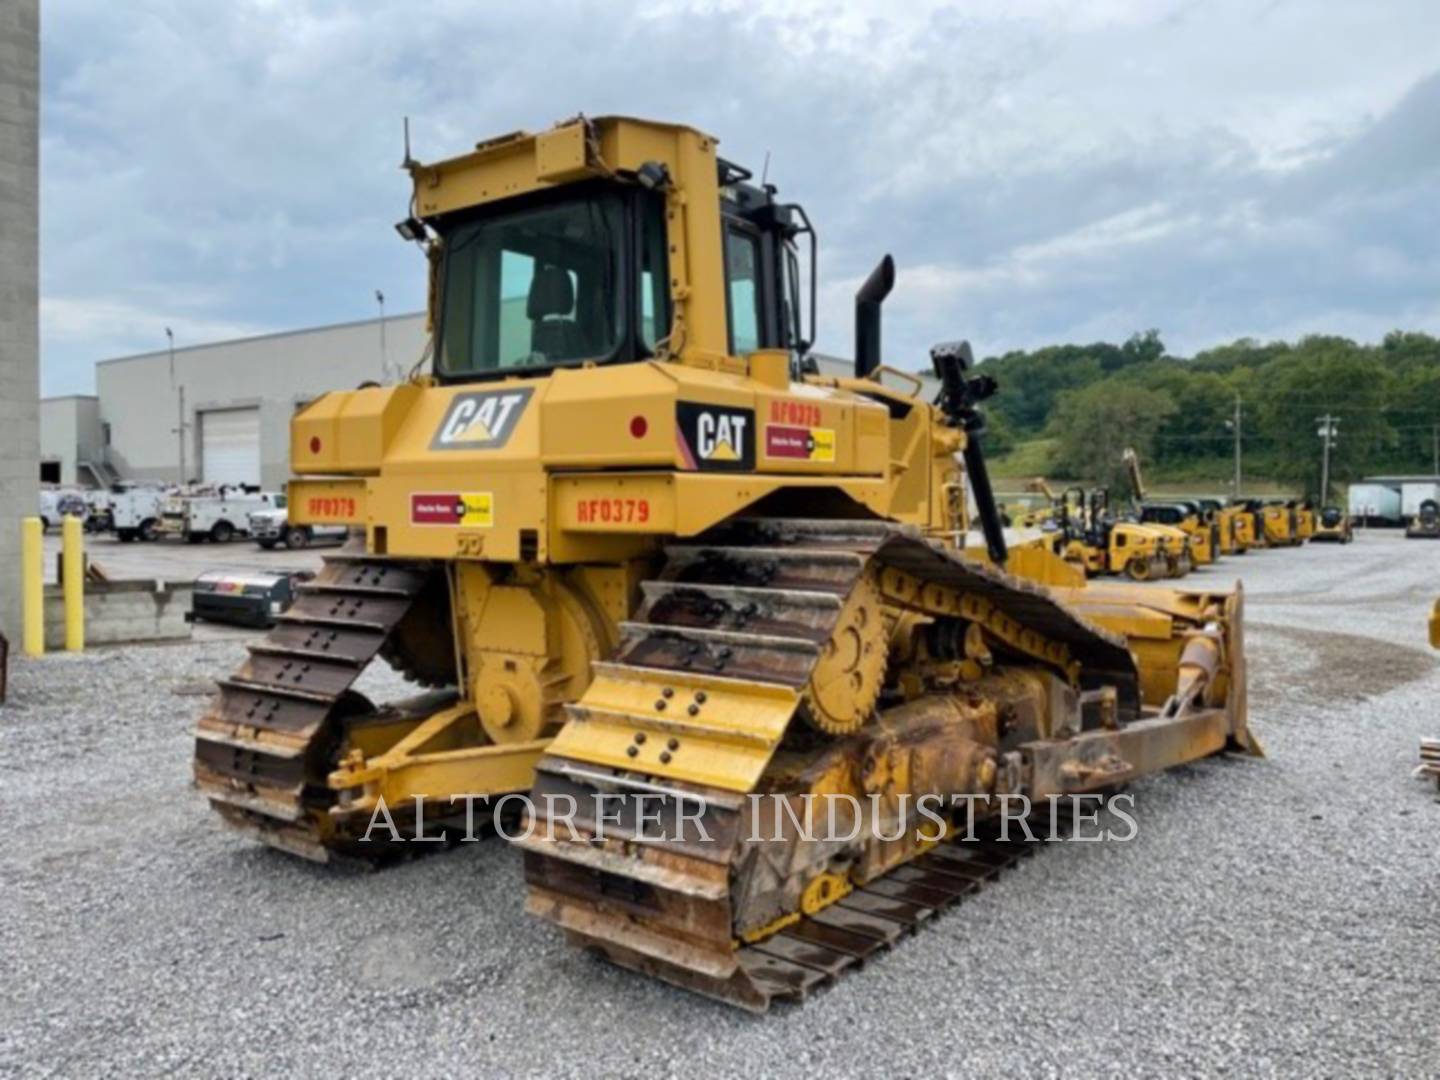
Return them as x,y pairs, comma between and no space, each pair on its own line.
578,273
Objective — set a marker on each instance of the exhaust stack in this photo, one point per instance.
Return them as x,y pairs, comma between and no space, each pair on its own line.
867,316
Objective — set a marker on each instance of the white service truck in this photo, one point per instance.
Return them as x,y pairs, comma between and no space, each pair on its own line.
219,515
56,504
135,512
271,527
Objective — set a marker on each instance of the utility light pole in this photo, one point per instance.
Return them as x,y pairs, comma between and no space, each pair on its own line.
1234,425
1435,460
1327,434
180,427
384,365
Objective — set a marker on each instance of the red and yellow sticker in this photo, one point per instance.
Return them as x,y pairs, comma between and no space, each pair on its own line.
800,443
470,509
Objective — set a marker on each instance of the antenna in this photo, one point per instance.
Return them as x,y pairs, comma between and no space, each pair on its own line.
765,169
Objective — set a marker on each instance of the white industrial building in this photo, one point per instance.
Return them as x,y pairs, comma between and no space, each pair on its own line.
236,399
72,442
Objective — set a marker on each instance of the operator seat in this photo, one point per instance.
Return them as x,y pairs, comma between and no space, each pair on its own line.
554,333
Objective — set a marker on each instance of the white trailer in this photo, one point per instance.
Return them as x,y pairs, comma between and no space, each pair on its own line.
220,515
1376,504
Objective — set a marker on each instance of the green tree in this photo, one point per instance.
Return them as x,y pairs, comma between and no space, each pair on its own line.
1243,353
1143,348
1093,426
1030,382
1323,376
1204,403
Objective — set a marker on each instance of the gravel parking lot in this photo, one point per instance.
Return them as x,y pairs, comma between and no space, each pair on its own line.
1273,916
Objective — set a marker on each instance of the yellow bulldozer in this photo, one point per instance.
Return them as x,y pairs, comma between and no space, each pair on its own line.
648,561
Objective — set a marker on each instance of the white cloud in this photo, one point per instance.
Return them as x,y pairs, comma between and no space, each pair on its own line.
1041,170
123,328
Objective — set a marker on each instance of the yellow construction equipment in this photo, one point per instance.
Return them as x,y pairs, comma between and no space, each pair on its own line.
1234,526
1273,521
1250,520
1425,525
1333,527
649,557
1099,543
1304,519
1190,518
1031,515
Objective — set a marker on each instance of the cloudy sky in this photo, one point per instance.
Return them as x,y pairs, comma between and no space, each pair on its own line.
1042,171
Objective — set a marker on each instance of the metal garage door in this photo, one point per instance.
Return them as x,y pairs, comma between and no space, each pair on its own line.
230,446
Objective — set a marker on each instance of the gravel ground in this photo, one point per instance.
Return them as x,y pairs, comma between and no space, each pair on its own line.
1271,917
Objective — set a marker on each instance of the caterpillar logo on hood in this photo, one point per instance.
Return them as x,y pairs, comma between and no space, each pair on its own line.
482,420
715,437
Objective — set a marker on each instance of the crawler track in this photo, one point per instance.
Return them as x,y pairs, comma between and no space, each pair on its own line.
722,654
819,948
263,750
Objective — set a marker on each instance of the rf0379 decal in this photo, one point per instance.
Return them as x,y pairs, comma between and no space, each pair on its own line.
715,436
481,420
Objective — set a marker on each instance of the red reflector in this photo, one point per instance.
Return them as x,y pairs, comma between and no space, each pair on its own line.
315,444
639,426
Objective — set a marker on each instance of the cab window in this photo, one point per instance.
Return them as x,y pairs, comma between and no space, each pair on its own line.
654,274
742,273
534,287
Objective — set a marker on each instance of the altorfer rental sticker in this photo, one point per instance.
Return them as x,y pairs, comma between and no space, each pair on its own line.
471,509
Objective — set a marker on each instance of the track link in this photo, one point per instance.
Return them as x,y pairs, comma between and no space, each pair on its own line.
264,748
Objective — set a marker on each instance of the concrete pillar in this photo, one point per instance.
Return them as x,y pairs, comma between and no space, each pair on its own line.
19,291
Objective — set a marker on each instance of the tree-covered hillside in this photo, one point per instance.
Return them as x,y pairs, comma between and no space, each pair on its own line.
1069,410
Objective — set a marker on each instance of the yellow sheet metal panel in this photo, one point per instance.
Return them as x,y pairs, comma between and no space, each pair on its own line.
560,154
349,431
812,429
457,513
622,415
451,431
521,163
513,620
615,504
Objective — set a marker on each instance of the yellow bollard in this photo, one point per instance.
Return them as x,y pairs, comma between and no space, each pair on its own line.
32,585
73,568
